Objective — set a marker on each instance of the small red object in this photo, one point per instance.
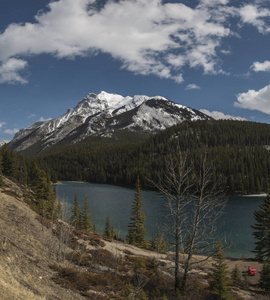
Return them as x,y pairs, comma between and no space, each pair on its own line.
251,271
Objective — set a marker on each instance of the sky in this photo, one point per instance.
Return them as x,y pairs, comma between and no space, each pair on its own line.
210,55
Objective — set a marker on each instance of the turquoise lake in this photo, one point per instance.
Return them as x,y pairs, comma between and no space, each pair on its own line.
115,202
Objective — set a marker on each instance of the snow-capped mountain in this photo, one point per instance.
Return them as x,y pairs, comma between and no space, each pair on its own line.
103,115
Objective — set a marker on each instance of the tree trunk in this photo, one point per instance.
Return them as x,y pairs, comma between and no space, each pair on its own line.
177,248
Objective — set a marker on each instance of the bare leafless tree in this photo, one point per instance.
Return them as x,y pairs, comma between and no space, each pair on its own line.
174,183
206,205
194,208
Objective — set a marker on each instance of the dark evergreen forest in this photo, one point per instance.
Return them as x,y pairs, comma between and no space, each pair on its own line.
238,150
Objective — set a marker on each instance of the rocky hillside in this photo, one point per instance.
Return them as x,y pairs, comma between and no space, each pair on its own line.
24,267
104,115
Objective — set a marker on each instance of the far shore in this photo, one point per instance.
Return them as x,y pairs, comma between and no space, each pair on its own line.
255,195
74,181
60,182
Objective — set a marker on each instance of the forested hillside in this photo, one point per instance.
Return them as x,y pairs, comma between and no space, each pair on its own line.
28,173
239,152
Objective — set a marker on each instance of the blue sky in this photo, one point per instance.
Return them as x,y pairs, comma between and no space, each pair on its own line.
211,55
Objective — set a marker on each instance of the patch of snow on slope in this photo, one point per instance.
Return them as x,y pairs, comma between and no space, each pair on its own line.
153,119
195,117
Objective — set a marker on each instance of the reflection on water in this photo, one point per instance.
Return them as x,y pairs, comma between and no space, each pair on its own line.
115,202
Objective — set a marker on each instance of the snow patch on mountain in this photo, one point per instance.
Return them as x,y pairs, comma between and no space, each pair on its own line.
152,119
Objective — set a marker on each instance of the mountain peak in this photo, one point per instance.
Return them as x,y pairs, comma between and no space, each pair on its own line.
104,115
109,97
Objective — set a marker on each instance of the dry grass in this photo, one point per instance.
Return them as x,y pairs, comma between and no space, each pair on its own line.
19,286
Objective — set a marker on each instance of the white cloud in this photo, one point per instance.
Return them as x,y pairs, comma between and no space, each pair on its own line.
192,86
217,115
255,100
10,71
147,36
11,131
2,124
256,15
261,67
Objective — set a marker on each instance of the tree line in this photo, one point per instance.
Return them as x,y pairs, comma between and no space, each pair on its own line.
239,152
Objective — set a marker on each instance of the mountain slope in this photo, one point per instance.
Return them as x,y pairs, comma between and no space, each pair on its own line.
104,115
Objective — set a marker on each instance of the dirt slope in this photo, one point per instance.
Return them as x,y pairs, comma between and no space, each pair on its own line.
24,258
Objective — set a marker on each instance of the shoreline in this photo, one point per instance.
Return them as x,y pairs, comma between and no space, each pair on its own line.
72,181
255,195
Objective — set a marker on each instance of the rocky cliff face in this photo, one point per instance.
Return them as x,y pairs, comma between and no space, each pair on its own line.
103,115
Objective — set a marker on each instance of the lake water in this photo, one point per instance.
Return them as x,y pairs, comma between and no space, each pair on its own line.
115,202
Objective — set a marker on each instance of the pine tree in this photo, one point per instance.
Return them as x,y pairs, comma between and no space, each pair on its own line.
235,276
76,214
220,283
262,231
51,205
108,231
46,198
86,218
265,276
23,171
158,243
137,231
39,182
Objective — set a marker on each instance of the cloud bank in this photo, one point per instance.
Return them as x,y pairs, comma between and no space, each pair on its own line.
255,100
217,115
7,131
11,131
261,67
146,36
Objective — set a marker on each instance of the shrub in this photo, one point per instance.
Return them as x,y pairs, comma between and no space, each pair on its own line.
83,281
80,259
105,258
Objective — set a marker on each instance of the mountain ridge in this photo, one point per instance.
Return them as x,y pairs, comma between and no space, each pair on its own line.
103,115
